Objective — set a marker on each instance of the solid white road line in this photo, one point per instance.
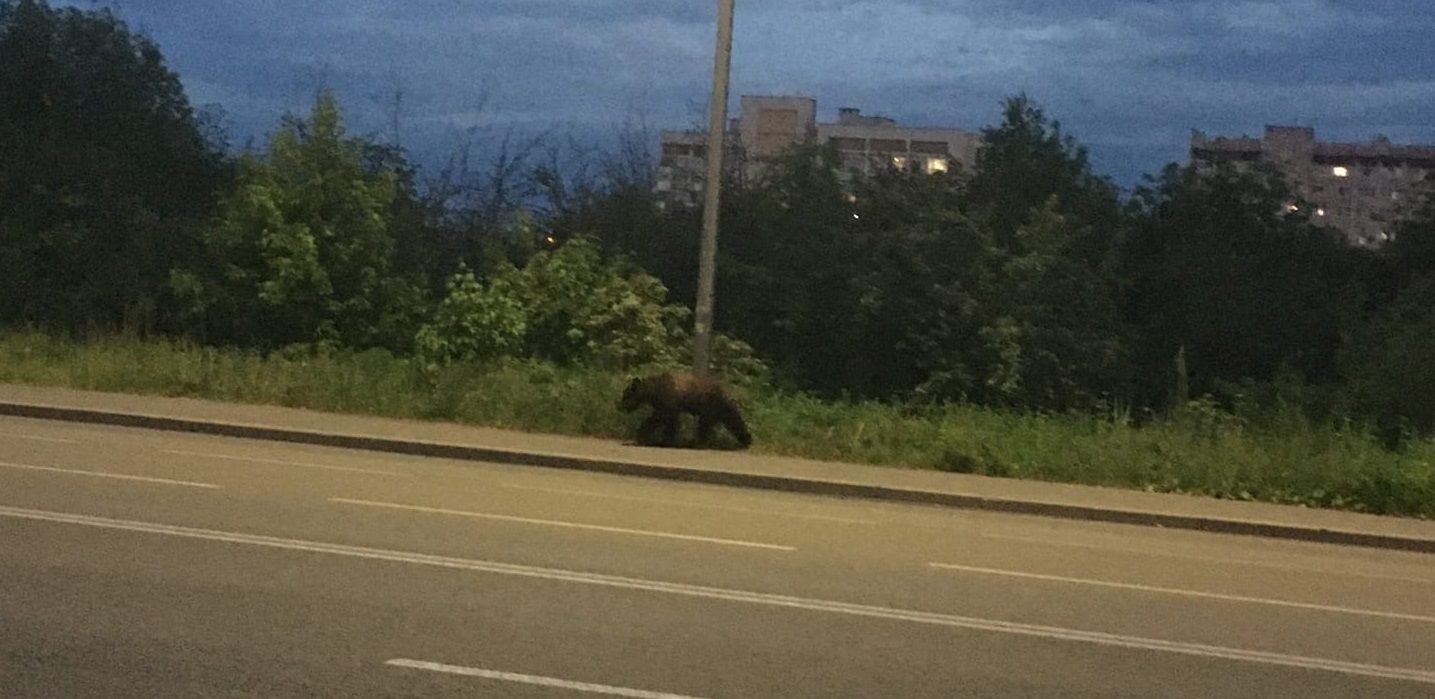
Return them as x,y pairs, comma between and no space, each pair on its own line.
731,595
1208,559
680,503
556,523
1186,593
38,438
279,462
101,474
534,679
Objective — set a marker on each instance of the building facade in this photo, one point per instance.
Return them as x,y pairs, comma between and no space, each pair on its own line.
681,168
870,143
768,125
1360,189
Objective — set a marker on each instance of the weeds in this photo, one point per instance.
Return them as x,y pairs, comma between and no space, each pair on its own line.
1199,450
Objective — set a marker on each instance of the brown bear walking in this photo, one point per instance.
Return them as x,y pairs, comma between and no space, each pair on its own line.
671,395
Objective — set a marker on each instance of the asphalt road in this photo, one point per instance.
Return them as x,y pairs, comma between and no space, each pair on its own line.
147,564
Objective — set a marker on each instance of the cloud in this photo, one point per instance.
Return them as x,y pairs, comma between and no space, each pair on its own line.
1128,77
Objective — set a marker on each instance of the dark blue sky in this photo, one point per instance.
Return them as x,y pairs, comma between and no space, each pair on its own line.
1129,78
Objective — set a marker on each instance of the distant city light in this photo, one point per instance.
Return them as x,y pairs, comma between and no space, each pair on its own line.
1320,212
1340,171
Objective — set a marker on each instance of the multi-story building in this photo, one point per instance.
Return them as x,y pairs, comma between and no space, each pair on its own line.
768,125
1359,188
682,168
867,143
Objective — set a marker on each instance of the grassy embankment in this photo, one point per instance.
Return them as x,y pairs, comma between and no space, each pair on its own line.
1284,459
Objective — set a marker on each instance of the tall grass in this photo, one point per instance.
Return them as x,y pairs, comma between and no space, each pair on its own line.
1285,458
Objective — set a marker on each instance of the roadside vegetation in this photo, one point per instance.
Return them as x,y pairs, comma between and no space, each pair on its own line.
1202,449
1026,319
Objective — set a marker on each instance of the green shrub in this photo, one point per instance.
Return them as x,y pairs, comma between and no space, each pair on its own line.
569,306
475,321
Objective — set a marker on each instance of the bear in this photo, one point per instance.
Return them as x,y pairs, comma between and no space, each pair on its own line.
671,394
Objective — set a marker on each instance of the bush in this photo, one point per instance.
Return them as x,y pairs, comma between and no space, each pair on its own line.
475,321
569,306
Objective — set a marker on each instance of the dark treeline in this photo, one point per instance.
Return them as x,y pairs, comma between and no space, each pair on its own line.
1028,283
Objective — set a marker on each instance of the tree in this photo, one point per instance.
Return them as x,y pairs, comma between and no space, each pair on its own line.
105,170
1389,362
1390,366
1066,323
608,197
897,283
422,248
1219,263
302,251
789,252
924,271
1412,252
1026,161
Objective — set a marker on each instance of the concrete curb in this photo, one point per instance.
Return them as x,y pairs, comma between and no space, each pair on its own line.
742,480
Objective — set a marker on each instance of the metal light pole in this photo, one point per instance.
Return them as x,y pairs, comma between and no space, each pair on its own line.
717,127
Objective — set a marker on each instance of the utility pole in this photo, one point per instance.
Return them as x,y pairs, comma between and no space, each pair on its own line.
717,128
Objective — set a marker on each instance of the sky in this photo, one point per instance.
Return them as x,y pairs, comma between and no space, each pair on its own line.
1128,78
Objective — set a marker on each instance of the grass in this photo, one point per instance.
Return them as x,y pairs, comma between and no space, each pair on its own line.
1285,458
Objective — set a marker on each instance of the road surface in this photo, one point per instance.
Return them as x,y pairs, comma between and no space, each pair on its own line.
138,563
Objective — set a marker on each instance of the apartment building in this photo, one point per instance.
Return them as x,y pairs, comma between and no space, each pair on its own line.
1360,189
869,143
768,125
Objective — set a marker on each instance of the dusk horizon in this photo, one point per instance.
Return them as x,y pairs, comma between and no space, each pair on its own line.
1129,80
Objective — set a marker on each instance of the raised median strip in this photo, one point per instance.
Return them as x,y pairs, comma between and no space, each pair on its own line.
742,479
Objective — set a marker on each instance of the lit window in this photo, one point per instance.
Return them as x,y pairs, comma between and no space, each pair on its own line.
935,165
1340,171
899,162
